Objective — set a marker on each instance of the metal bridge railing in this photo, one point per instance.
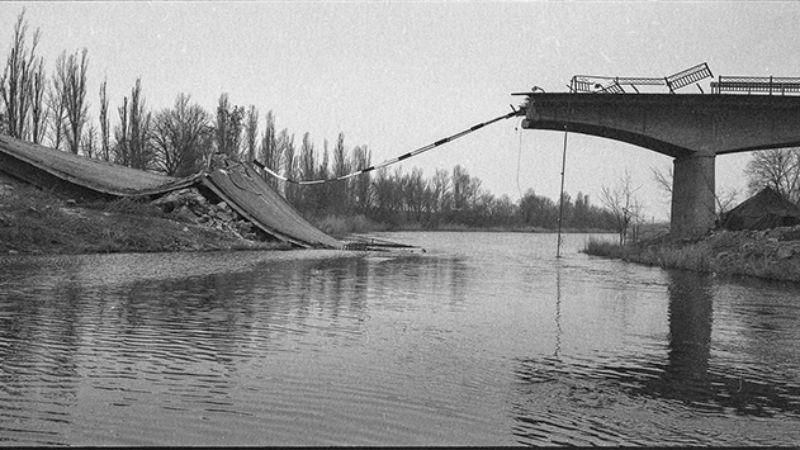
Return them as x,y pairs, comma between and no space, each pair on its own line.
617,85
610,85
689,76
749,85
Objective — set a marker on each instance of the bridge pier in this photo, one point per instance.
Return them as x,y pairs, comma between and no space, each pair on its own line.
693,197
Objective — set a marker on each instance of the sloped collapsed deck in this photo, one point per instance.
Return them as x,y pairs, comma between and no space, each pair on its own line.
238,185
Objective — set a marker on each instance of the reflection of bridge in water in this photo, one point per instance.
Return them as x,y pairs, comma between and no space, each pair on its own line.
692,128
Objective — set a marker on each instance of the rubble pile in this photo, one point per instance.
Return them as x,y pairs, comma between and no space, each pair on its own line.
191,206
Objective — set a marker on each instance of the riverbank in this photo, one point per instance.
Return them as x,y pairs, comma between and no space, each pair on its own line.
341,227
770,254
33,221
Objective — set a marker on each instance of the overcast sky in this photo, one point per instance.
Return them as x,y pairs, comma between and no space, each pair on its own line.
397,75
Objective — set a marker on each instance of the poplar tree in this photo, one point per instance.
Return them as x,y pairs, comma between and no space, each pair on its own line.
17,80
38,106
287,149
56,106
228,128
72,74
104,122
133,147
341,166
269,153
251,134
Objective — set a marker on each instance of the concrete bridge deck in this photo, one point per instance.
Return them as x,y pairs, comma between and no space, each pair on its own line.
691,128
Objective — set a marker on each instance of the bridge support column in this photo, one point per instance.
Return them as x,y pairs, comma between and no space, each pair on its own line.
693,197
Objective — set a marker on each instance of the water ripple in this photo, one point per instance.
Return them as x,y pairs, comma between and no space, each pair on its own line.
483,341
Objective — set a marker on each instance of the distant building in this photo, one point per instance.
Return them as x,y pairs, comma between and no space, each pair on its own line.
767,209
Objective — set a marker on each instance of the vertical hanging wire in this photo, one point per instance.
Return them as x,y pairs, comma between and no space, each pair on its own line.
561,195
559,330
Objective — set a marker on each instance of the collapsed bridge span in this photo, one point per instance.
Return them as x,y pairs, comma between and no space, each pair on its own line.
237,185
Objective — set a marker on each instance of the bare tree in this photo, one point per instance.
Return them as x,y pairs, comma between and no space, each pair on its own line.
323,171
624,206
440,190
71,71
38,107
17,81
251,133
104,122
778,169
360,185
89,141
270,153
56,106
341,166
138,136
287,149
663,180
121,150
726,198
228,130
133,147
181,137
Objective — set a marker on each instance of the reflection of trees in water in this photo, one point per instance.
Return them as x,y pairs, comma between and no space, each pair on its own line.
688,374
404,281
220,314
40,337
177,340
218,310
181,336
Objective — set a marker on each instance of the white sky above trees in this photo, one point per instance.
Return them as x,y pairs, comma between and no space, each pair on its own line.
396,76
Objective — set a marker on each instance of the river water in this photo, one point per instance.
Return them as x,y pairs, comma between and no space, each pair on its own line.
484,339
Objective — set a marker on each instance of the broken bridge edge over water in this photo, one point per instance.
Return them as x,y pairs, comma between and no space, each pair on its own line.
239,186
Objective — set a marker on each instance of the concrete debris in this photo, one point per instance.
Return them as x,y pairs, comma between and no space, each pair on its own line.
189,205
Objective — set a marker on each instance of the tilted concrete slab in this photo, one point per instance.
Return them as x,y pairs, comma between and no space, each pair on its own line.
239,186
247,193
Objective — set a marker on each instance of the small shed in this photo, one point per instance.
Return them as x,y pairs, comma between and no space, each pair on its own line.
767,209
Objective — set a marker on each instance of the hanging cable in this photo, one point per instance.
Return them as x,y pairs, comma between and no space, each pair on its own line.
515,112
561,195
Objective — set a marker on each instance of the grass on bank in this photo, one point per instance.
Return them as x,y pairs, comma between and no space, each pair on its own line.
663,255
342,226
772,254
